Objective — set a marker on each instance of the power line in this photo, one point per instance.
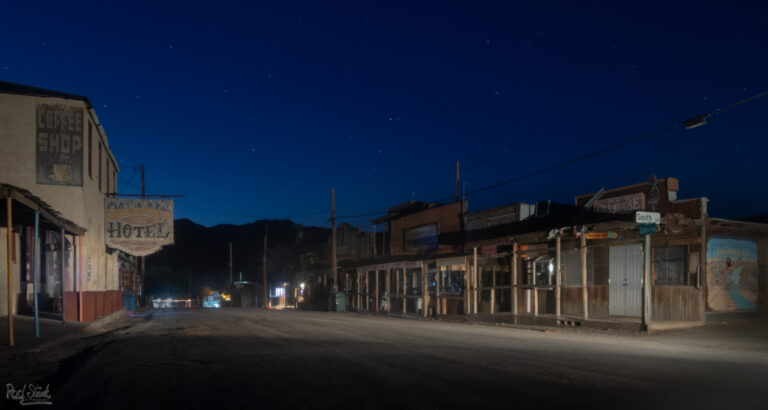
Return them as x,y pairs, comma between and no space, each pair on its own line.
688,124
220,212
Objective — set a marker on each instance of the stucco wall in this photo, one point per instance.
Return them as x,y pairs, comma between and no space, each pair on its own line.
84,205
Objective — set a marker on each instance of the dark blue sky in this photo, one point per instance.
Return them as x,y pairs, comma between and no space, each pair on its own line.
256,109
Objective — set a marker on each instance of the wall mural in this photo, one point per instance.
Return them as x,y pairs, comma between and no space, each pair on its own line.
731,274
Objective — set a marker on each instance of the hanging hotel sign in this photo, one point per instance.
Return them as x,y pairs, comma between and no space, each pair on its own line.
59,145
138,226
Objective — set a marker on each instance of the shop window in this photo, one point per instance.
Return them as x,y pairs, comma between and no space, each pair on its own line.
431,282
485,275
452,279
570,265
414,281
670,265
544,269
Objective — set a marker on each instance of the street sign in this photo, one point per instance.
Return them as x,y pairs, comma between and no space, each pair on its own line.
647,229
643,217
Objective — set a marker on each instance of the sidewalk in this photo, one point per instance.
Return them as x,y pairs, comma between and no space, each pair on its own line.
24,332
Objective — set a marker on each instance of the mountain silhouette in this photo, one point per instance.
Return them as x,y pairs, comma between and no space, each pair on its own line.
200,255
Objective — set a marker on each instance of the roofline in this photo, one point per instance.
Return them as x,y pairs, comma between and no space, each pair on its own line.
390,217
22,89
28,90
31,201
758,225
576,198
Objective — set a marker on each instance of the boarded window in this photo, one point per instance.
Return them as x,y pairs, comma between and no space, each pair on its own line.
570,263
90,150
108,175
99,166
670,265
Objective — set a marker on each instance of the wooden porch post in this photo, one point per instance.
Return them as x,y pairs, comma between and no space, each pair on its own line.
405,287
397,288
438,277
584,294
387,293
535,293
647,296
359,290
424,289
558,278
514,279
8,210
63,271
493,289
377,291
466,285
35,271
475,293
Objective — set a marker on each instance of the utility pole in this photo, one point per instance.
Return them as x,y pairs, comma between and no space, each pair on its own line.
230,265
143,258
9,226
457,181
333,242
266,289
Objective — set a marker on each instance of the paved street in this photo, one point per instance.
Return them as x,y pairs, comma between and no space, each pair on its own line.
250,358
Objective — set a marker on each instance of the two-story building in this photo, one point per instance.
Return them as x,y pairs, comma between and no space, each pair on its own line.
55,160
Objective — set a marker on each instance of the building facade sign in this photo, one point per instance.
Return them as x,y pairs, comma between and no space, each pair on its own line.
421,238
138,227
621,204
59,145
732,272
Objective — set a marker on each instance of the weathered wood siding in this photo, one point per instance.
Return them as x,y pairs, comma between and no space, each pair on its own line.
676,303
571,303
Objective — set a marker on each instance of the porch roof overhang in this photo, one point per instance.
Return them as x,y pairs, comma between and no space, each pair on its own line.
33,203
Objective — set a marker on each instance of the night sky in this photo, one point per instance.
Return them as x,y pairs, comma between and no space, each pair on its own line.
256,109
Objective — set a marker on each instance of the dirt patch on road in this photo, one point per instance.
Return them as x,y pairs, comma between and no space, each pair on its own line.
54,359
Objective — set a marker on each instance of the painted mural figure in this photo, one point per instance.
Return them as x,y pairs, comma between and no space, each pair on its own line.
732,264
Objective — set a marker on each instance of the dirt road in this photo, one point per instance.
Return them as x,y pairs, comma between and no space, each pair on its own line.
238,358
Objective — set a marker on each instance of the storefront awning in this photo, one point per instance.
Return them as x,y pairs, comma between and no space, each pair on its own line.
33,203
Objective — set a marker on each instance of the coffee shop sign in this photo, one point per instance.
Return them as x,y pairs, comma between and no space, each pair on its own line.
138,226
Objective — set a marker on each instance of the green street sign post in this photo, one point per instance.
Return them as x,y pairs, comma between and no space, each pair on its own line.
647,229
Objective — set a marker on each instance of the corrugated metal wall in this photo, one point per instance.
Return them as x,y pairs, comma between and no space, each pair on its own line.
626,272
